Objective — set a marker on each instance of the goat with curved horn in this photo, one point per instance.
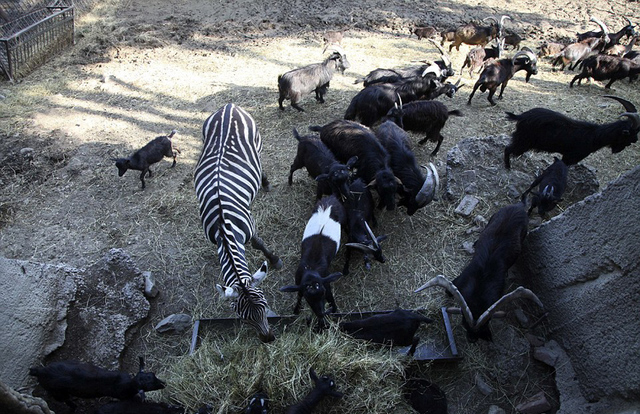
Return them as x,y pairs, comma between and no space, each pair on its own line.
430,186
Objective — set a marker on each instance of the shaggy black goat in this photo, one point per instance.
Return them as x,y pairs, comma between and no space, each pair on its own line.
473,34
607,67
347,139
320,243
66,379
332,176
417,190
395,328
324,386
552,183
151,153
423,116
299,82
479,288
499,72
542,129
360,212
258,404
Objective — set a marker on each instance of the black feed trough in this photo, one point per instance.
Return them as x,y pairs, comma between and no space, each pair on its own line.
429,349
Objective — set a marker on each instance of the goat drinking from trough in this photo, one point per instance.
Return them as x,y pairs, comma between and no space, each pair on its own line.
542,129
551,185
428,117
479,288
66,379
324,386
417,190
499,72
332,176
347,139
360,211
148,155
295,84
607,67
395,328
320,243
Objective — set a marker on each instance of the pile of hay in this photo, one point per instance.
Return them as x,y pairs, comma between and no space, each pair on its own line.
226,370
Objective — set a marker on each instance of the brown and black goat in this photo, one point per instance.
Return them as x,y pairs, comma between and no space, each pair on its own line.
332,175
320,243
424,32
479,288
347,139
428,117
66,379
296,83
417,190
499,72
607,67
145,157
478,55
544,130
324,386
474,34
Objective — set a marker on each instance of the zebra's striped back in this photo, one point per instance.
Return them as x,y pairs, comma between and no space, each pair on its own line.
227,178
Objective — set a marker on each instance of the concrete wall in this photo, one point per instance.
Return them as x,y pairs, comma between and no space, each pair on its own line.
585,266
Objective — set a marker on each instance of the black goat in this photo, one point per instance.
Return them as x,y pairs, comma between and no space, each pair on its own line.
417,190
259,404
607,67
347,139
499,72
324,386
423,116
360,211
479,288
395,328
552,183
299,82
151,153
332,176
320,243
65,379
139,407
448,89
425,397
512,39
542,129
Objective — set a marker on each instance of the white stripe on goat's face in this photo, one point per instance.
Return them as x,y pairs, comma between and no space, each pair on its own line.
321,223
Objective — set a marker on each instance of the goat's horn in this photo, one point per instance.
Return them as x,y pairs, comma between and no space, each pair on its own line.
634,117
627,105
445,56
399,100
445,283
458,82
605,30
362,247
374,240
429,187
628,21
520,292
172,133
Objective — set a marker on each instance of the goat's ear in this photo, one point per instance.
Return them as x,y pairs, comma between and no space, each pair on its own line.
291,288
332,277
352,161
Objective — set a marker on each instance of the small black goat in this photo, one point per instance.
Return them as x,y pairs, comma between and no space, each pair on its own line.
320,243
512,39
607,67
395,328
479,288
299,82
360,212
66,379
332,176
258,404
542,129
417,190
552,183
347,139
151,153
428,117
499,72
425,397
324,386
139,407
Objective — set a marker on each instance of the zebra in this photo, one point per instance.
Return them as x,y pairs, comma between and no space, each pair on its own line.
227,179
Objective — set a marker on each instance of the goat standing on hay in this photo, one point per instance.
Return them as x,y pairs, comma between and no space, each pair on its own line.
479,288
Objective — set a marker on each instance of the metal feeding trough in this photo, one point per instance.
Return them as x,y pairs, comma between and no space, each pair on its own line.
435,349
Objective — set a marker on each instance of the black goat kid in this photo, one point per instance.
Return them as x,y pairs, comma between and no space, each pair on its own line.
324,386
151,153
66,379
541,129
551,185
320,243
479,288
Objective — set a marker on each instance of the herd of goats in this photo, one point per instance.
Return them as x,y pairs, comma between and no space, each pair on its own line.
351,162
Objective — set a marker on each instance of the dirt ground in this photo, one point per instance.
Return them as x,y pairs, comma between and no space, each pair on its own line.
140,69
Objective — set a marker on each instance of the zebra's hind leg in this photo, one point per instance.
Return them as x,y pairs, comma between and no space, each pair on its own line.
257,243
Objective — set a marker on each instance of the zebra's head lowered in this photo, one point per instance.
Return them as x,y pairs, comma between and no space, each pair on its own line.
250,303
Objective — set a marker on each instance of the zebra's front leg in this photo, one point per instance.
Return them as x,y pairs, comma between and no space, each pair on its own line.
257,243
